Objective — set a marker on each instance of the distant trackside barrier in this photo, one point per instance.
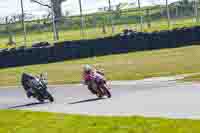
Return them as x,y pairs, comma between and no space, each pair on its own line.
129,41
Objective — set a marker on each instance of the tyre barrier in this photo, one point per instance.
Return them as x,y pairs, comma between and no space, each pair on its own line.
128,41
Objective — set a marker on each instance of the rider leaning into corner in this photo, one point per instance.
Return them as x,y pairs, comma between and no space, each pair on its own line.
90,73
29,82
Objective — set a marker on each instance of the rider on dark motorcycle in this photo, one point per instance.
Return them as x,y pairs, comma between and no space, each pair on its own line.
36,87
29,83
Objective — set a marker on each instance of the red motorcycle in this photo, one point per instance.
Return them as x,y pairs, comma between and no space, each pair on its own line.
97,85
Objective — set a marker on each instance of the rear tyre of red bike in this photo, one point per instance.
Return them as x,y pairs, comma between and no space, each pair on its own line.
99,95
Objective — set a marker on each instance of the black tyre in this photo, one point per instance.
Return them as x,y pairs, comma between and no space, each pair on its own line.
50,97
106,91
99,93
108,94
40,99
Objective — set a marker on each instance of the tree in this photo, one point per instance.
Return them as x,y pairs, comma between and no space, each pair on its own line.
56,6
185,2
9,21
119,8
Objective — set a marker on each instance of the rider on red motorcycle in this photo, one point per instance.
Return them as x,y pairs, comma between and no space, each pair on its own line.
91,74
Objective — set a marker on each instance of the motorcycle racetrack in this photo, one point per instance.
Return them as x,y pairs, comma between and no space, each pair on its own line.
150,98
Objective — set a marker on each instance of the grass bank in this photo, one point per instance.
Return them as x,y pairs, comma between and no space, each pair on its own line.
131,66
195,78
31,122
95,32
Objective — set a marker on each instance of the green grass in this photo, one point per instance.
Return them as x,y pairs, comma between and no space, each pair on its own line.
30,122
193,78
92,33
33,37
136,65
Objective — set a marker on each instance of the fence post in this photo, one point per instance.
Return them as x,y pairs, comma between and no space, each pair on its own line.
110,12
141,19
168,15
82,21
55,31
196,10
23,22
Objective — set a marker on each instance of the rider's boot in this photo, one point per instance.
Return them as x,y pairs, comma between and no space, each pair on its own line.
29,94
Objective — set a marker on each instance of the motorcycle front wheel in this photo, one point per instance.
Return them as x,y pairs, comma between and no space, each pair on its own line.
108,94
50,97
106,91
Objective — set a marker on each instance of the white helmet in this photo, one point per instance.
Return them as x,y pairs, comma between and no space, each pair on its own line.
87,68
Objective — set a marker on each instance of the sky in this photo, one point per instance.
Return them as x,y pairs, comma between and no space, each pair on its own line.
12,7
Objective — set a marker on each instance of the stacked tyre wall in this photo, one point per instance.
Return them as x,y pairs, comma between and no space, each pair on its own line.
128,41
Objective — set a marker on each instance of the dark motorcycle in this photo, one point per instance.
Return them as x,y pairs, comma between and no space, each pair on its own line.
98,87
36,87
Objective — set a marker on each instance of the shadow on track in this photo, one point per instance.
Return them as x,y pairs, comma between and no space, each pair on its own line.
26,105
87,100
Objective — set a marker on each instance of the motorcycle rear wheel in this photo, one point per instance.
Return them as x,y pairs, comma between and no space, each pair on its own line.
99,95
40,99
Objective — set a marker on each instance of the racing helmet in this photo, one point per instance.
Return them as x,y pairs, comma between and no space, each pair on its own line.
87,68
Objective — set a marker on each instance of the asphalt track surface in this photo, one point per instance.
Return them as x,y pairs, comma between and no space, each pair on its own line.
149,98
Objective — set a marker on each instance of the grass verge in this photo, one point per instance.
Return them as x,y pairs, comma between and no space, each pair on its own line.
95,32
195,78
131,66
32,122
